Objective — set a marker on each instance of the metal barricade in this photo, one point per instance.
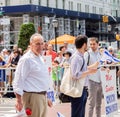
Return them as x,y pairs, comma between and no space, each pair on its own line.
6,89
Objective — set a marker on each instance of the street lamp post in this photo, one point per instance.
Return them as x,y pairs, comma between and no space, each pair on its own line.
55,25
109,30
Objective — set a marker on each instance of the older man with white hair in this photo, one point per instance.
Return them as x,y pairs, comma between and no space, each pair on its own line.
32,80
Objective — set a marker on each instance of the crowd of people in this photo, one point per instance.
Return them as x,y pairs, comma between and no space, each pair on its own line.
8,58
31,80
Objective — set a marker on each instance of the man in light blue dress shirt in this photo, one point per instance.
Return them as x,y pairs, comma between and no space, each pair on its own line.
79,70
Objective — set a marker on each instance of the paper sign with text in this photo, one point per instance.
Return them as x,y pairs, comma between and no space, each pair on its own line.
108,79
48,63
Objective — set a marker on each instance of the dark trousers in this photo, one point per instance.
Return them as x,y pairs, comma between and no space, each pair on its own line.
78,104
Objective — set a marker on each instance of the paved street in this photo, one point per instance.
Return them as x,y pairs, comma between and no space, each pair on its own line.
7,108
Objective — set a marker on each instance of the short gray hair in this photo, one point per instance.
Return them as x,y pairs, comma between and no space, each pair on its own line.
34,35
111,48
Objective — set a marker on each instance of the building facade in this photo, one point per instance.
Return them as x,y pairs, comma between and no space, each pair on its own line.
74,17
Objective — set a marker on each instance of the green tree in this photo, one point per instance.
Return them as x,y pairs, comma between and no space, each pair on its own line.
26,30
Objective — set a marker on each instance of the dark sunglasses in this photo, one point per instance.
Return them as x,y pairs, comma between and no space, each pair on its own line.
110,50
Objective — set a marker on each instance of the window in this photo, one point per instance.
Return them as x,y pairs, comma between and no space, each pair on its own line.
63,4
87,8
7,2
113,1
78,6
94,9
100,10
39,2
48,3
70,5
118,1
30,1
56,3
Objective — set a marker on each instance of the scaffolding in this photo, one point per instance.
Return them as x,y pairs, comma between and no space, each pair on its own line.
11,31
67,26
60,26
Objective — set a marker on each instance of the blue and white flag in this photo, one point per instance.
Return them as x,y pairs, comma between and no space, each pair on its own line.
108,57
59,114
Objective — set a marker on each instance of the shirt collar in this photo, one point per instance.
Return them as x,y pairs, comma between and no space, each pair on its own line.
94,51
79,53
34,54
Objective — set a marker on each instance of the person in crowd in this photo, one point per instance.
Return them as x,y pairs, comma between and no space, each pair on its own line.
15,48
56,76
67,48
95,86
4,54
62,49
51,52
21,51
111,51
45,48
66,62
12,62
77,61
2,75
31,80
15,59
60,58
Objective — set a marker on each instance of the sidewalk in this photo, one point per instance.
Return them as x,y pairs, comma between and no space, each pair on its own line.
65,109
8,107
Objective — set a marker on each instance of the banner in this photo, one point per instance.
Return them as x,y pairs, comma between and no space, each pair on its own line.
108,78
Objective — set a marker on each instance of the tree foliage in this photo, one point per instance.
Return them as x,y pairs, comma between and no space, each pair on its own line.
26,30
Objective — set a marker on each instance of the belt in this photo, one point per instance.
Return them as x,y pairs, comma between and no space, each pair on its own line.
42,92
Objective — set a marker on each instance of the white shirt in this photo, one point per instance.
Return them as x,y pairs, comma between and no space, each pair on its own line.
31,74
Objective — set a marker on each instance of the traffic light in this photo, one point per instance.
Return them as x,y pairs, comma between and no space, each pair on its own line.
118,37
105,19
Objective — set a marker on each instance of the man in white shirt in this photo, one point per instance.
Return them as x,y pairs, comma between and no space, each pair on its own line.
32,80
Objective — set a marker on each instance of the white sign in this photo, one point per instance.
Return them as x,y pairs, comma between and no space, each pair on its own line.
4,21
109,91
50,92
25,19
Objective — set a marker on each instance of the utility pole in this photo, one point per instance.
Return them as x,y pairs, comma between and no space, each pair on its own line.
118,43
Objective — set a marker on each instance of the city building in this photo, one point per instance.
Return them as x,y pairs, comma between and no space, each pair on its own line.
74,17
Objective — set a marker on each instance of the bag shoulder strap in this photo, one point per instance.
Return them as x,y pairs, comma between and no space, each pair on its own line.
88,58
82,64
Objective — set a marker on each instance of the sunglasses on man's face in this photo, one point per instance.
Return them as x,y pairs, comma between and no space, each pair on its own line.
110,50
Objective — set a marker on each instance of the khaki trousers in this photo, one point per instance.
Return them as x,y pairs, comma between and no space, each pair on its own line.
37,103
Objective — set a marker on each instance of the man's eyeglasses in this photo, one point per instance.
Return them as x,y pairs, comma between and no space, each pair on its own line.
110,50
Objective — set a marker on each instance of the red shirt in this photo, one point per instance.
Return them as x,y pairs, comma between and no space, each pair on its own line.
52,53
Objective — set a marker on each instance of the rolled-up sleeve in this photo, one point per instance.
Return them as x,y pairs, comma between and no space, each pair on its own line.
76,64
21,73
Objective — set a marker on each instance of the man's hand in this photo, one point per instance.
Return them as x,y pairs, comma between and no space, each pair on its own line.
19,105
50,103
